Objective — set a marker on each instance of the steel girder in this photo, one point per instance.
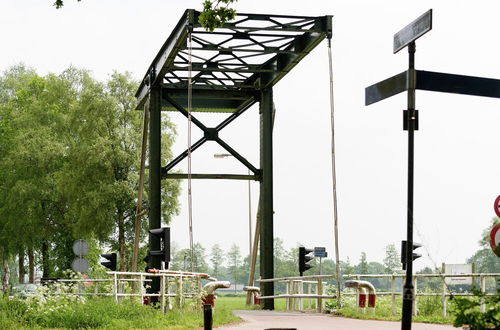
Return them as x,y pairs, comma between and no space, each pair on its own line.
232,63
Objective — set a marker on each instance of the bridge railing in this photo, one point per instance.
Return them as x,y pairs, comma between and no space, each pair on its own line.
443,293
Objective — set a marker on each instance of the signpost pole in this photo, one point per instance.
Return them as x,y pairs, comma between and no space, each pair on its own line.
408,293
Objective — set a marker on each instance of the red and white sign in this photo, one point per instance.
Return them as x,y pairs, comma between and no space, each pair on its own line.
497,206
495,239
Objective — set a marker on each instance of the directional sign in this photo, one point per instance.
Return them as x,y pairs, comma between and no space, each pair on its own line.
497,206
413,31
433,81
495,239
320,252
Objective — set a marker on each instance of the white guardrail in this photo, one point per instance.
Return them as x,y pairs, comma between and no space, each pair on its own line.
315,288
175,286
444,293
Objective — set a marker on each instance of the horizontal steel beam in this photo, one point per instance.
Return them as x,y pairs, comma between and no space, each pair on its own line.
435,82
298,34
181,176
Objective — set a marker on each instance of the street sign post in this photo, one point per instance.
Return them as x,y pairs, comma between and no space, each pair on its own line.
411,80
320,252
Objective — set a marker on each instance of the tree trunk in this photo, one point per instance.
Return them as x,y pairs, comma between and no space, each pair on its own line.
45,260
22,269
5,275
31,265
121,241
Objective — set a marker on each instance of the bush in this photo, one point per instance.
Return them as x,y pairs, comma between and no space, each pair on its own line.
467,311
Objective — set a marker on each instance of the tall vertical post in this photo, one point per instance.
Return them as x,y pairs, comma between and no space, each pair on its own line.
155,181
266,192
408,291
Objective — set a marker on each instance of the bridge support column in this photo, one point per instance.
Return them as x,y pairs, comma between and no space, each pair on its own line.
155,181
266,192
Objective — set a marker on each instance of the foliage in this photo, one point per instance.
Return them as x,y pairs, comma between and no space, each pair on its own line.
484,259
60,3
215,13
54,311
363,264
467,311
234,260
392,259
70,152
217,258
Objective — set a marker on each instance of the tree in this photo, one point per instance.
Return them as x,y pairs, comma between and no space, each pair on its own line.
217,258
346,268
69,165
234,262
484,259
215,12
362,267
392,260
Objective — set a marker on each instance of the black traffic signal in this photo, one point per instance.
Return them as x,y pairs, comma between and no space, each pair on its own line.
304,259
164,235
403,252
111,263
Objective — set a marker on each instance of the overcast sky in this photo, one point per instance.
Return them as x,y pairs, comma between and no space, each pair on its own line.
457,172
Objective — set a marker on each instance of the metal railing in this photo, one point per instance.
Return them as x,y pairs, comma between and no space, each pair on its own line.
294,292
444,293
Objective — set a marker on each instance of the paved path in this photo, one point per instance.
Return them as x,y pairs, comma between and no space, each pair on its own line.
253,320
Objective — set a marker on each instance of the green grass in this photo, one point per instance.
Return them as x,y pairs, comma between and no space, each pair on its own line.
429,310
104,313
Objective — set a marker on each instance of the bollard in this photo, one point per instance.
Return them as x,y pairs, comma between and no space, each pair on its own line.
372,299
362,300
209,299
207,317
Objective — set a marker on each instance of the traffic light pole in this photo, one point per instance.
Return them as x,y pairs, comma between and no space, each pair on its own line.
411,117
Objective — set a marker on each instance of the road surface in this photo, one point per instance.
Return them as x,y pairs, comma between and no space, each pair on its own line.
253,320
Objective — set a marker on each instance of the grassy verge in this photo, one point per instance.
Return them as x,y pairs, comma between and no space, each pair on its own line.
429,310
104,313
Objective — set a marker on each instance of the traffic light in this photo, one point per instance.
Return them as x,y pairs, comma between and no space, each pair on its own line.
304,259
164,235
111,263
403,252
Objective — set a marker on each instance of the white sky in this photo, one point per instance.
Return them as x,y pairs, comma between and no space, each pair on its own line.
457,152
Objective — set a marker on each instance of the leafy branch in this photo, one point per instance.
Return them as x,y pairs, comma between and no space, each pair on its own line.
215,13
60,3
